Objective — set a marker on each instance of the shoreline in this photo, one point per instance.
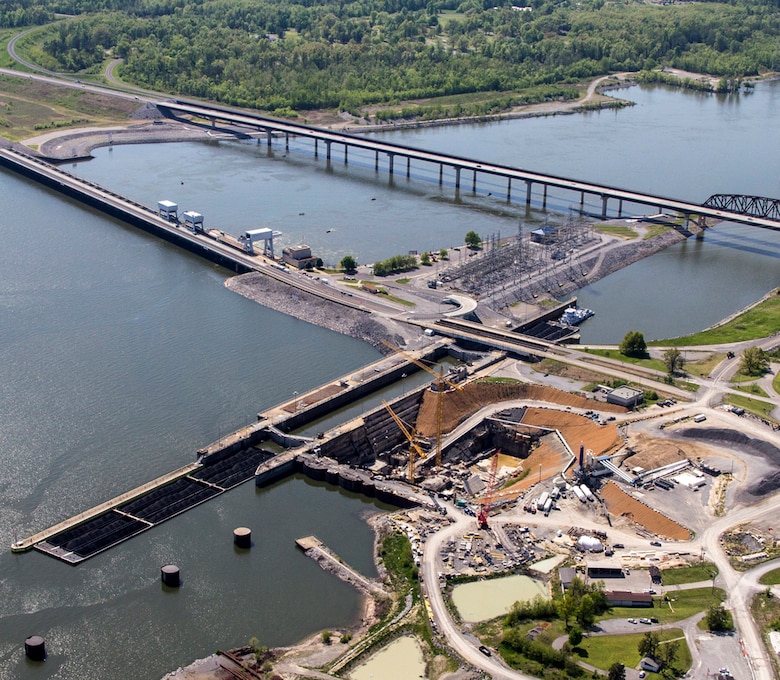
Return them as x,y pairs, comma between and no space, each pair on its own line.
75,144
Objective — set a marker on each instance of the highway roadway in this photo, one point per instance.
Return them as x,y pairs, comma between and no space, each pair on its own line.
460,163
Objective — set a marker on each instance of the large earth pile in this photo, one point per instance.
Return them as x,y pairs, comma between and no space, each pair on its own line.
620,504
459,404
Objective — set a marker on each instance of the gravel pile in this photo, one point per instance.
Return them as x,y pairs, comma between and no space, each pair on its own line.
324,313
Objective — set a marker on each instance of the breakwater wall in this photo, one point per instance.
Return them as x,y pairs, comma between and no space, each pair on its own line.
120,207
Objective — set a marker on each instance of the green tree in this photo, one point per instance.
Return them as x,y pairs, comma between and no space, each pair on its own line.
443,254
575,637
648,645
348,263
473,240
617,671
717,618
673,360
425,259
755,361
586,612
633,345
326,636
567,606
668,652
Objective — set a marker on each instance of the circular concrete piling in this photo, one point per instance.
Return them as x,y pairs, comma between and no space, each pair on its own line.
242,537
170,575
35,648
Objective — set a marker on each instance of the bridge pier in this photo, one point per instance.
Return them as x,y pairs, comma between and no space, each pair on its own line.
390,159
286,141
316,148
582,200
408,167
509,190
269,135
376,161
441,174
528,185
604,201
346,153
474,183
457,178
544,197
620,208
327,146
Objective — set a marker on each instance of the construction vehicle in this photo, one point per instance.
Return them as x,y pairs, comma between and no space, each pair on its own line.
414,448
487,501
440,386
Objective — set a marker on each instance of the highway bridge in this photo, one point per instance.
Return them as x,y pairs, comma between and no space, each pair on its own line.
718,210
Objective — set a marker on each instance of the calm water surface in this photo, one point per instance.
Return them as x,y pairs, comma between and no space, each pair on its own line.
120,355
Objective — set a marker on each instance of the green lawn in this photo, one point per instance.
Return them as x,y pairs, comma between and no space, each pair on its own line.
652,364
762,409
604,650
684,603
655,230
771,578
690,574
759,322
616,230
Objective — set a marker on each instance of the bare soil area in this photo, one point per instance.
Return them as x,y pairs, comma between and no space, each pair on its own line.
459,404
620,504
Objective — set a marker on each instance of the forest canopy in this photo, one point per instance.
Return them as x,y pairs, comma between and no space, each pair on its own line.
298,55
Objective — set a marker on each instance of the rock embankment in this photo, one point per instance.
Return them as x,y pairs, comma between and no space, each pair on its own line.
370,328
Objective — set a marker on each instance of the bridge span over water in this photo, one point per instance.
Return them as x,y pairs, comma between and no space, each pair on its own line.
722,210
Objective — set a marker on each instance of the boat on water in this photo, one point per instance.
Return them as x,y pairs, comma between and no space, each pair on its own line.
572,316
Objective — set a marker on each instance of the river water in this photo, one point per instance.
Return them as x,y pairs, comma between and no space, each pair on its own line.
120,355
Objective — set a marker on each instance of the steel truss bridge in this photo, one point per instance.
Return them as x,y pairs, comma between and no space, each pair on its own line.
753,206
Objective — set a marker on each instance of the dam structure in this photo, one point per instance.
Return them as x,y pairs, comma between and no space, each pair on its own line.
267,450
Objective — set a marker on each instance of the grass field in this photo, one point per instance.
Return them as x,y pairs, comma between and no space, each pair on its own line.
759,408
691,574
759,322
616,230
771,578
684,603
653,364
604,650
30,107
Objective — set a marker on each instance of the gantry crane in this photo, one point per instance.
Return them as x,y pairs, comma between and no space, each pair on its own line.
414,448
441,381
482,518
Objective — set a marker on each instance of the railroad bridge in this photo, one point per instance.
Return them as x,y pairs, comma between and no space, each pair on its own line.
733,209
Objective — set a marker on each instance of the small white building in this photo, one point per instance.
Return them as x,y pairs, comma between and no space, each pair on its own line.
629,397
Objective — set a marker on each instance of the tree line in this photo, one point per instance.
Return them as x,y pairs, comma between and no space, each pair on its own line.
299,55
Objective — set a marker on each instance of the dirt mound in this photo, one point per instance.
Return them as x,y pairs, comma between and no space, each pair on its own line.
576,429
620,504
459,404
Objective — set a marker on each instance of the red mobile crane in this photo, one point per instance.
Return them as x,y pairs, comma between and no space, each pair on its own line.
482,518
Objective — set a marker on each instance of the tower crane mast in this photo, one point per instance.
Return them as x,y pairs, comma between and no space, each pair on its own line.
482,518
441,381
414,448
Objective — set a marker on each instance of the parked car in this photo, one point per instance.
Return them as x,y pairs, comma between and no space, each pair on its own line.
485,650
657,544
645,620
632,620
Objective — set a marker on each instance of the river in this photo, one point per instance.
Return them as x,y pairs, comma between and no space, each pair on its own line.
120,355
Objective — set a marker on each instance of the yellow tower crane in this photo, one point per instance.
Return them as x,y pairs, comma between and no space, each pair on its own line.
441,381
414,448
